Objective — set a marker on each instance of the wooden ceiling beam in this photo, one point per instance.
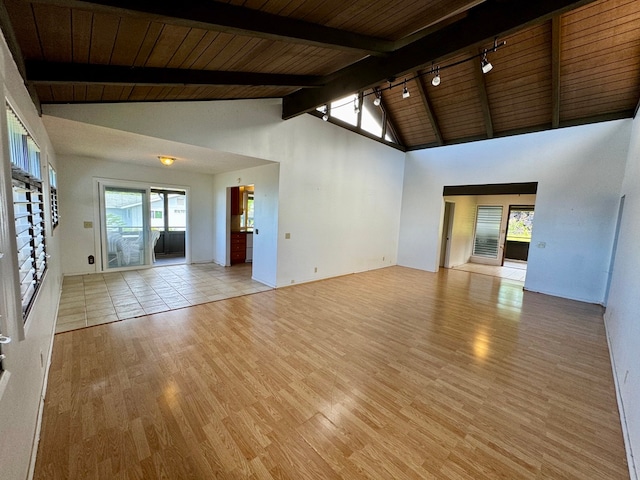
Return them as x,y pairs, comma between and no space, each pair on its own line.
16,53
556,38
224,17
51,73
480,25
429,108
481,85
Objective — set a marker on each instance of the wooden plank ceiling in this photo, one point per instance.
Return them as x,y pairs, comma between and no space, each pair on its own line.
564,62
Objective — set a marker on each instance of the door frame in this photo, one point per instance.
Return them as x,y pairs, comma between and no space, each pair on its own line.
98,184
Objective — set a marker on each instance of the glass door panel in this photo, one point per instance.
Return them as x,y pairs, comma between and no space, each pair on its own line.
487,237
126,223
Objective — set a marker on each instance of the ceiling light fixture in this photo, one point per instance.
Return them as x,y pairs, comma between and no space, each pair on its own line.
378,100
167,161
485,64
436,79
325,113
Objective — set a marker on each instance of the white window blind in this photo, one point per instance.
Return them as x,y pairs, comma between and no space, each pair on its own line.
29,213
486,242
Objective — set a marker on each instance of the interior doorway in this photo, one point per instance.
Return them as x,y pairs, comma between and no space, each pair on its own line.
447,231
492,229
241,225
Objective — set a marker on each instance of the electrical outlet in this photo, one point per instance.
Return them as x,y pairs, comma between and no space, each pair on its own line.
287,236
88,224
315,270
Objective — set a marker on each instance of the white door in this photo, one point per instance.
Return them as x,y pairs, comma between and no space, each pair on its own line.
488,239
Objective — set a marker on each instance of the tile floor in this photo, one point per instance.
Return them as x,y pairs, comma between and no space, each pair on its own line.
89,300
511,269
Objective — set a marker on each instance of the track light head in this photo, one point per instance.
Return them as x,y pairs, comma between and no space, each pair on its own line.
405,90
325,113
436,79
377,101
356,106
485,64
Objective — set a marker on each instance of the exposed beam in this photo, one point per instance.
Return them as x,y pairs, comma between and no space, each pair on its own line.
223,17
83,74
556,37
607,117
481,24
481,85
427,105
16,53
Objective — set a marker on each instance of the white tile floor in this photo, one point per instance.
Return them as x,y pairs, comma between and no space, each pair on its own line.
89,300
512,270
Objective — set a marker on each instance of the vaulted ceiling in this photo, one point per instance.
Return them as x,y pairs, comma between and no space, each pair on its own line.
564,62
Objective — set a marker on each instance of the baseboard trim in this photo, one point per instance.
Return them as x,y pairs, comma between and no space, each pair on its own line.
633,473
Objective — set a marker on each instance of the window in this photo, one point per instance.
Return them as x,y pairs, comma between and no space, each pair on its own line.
344,109
487,238
29,213
53,192
520,224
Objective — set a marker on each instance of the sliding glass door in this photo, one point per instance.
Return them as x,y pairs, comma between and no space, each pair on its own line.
125,227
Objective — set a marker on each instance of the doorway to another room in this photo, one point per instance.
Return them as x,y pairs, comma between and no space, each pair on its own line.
241,226
487,229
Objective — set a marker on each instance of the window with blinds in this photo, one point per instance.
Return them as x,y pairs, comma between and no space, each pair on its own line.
53,192
487,238
29,211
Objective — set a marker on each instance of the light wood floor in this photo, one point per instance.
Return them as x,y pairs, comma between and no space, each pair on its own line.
389,374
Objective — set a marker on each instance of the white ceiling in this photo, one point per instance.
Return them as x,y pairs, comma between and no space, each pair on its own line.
90,141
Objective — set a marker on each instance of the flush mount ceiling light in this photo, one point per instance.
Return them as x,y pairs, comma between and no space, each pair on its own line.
167,161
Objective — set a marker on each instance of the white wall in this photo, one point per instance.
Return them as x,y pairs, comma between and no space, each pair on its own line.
265,242
579,173
22,383
339,193
77,205
622,315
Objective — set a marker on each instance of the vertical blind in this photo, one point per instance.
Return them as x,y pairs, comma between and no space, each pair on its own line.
486,242
28,205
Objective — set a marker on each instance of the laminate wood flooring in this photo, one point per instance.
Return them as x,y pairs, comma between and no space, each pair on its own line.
389,374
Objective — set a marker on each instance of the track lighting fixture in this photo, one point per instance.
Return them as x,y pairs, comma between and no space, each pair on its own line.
485,64
436,79
378,100
325,113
